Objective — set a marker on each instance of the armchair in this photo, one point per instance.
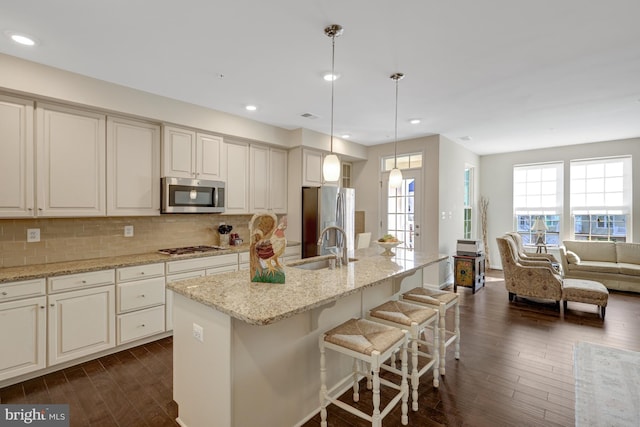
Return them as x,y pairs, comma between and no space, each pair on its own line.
538,281
517,238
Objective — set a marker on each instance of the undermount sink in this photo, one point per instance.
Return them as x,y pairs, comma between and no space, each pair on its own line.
315,264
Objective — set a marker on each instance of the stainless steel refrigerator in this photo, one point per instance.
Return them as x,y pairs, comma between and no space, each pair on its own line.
322,207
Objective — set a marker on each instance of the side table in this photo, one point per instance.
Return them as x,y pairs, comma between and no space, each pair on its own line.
469,271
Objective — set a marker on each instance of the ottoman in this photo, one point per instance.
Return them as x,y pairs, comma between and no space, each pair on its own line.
586,291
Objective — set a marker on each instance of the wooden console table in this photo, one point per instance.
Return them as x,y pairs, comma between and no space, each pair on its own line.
469,271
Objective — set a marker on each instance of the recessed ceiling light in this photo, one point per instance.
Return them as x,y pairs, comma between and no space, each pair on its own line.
346,135
414,121
22,39
251,108
329,77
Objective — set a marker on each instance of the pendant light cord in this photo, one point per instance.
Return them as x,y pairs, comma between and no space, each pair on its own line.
333,79
395,145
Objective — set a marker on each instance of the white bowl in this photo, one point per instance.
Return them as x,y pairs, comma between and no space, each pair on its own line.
388,246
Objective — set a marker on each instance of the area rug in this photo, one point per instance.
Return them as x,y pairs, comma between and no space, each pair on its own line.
607,386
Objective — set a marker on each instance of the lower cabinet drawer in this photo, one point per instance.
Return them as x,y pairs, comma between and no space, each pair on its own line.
140,294
140,324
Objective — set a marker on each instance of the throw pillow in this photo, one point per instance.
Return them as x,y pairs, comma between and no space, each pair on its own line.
573,257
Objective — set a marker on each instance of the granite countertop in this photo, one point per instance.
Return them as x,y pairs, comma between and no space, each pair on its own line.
36,271
265,303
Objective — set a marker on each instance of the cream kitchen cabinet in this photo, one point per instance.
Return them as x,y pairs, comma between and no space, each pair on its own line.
70,146
23,328
312,168
16,158
81,320
268,179
133,168
140,299
190,154
237,187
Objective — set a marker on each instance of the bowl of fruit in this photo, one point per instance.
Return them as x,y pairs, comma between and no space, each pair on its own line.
388,242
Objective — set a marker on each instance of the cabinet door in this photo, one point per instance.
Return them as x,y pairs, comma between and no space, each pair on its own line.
71,162
178,152
133,168
311,168
278,180
259,174
81,323
16,157
208,157
23,336
237,188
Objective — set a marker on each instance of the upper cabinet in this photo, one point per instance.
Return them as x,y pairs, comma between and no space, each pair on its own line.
268,179
190,154
311,168
133,167
16,158
237,187
70,162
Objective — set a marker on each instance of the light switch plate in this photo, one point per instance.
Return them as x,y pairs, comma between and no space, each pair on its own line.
128,231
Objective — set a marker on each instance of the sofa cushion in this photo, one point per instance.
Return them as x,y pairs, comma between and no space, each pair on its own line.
593,251
628,253
630,269
595,266
573,257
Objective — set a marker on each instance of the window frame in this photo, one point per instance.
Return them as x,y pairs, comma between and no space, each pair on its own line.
536,195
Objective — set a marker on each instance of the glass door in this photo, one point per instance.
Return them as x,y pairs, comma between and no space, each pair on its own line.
402,209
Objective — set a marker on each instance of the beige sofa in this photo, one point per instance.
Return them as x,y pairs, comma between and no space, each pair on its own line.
616,265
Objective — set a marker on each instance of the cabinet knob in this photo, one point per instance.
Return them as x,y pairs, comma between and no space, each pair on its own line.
84,281
52,305
40,209
42,306
29,209
142,273
4,294
141,295
142,326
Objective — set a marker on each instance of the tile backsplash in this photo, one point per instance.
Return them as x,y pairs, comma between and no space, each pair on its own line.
67,239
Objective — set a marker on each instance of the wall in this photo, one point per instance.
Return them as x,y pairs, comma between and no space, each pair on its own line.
496,183
443,167
65,239
453,160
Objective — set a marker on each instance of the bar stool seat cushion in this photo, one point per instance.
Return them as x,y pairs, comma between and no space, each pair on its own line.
402,313
364,336
430,296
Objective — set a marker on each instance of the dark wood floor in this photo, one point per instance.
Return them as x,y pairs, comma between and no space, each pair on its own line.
515,370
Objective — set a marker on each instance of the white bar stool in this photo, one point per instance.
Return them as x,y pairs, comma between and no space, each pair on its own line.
442,301
371,343
417,319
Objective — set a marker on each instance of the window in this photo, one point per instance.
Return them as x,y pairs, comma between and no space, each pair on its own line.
601,198
405,161
537,193
468,198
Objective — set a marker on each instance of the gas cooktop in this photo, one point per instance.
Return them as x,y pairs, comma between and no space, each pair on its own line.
189,250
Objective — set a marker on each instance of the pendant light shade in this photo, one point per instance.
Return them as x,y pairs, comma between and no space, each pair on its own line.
331,168
395,177
331,164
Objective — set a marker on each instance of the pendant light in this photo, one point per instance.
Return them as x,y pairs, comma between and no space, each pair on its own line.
331,165
395,177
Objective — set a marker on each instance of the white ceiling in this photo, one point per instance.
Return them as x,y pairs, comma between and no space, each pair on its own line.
512,75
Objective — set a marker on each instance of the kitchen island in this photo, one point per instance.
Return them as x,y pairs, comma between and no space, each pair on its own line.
246,353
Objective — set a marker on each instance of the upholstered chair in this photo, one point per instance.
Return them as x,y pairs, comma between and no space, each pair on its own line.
537,281
528,256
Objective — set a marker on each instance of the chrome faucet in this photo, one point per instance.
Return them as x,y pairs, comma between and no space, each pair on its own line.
345,257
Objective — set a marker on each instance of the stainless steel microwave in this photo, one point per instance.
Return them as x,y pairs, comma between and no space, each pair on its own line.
186,195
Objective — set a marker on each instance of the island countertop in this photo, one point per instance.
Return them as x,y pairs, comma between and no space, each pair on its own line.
265,303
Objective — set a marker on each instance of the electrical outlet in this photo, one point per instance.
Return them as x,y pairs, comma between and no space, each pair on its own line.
198,332
33,235
128,231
